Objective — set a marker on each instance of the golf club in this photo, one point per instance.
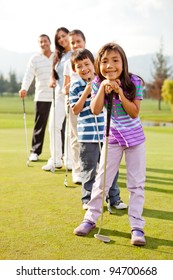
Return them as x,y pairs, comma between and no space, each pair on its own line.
54,156
66,147
99,236
109,207
26,132
98,133
108,200
99,142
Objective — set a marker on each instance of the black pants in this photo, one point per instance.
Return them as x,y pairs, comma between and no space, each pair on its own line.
42,110
63,135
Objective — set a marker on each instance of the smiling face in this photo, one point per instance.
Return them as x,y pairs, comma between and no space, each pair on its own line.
44,44
85,69
111,65
76,42
63,40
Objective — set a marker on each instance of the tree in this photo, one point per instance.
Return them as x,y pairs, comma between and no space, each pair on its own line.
2,84
161,72
13,85
167,92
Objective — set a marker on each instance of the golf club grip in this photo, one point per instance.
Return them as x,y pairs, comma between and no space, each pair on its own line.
109,108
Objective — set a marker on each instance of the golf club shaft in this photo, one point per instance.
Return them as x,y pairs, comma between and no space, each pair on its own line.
109,108
54,160
25,126
66,145
99,141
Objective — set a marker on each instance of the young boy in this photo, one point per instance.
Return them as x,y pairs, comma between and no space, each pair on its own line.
90,128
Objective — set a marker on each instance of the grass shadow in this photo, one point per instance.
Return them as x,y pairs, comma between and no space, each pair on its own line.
155,170
158,214
152,243
163,183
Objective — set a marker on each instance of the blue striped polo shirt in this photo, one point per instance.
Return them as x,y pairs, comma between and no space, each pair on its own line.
124,130
88,125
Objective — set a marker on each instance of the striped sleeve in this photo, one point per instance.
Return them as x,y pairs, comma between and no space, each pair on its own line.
139,87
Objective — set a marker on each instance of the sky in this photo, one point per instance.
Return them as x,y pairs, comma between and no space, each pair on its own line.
139,26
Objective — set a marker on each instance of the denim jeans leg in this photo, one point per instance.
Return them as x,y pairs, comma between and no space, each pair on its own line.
89,155
114,191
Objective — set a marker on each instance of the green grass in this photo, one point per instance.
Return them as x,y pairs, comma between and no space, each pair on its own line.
150,112
38,213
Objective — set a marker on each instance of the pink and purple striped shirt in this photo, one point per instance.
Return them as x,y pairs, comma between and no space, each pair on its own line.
124,130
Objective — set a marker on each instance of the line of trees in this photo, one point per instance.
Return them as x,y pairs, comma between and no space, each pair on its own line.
161,88
11,85
162,72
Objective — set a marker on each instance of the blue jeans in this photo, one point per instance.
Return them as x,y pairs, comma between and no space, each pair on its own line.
114,191
89,157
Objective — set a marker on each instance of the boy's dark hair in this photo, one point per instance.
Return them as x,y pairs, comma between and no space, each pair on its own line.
44,35
77,32
80,54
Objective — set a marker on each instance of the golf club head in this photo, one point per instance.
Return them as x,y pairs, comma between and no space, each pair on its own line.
110,209
52,169
102,238
65,182
27,163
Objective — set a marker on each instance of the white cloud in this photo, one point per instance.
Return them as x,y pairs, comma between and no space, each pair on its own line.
135,24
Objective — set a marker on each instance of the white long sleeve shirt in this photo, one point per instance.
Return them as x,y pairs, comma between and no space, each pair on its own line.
39,66
68,71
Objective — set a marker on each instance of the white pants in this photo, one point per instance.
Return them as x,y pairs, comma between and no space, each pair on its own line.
74,144
56,118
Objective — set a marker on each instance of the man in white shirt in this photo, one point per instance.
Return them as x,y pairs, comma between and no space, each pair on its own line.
39,67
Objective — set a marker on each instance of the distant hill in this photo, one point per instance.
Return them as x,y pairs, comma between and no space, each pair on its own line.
17,62
142,65
12,61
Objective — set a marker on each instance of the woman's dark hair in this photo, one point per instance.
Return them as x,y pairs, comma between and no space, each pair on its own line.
125,78
59,50
80,54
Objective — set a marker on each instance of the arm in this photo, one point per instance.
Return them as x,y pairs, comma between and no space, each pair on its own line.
22,93
27,79
97,102
66,84
66,81
52,83
132,108
78,107
54,74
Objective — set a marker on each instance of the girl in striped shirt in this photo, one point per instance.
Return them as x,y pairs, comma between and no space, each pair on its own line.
126,136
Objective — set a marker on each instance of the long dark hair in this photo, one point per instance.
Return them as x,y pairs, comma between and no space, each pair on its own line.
128,86
59,50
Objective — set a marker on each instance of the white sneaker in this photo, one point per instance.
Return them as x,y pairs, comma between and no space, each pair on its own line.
69,165
85,206
33,157
119,205
77,180
50,165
